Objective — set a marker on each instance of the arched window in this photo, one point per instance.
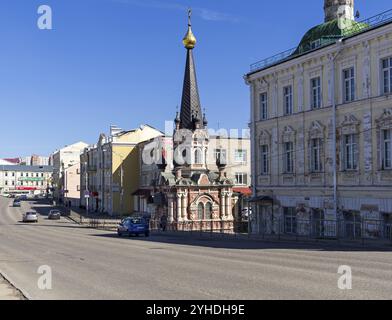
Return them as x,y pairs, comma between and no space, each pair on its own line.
208,213
200,211
198,156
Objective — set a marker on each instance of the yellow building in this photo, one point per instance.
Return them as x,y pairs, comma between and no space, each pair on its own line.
111,170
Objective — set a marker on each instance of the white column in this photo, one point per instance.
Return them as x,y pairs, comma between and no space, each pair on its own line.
223,205
179,217
171,210
184,207
229,213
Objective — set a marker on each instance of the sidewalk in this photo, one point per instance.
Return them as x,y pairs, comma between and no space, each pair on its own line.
8,292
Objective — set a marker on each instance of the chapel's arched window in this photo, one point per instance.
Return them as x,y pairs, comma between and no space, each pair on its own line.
208,211
200,211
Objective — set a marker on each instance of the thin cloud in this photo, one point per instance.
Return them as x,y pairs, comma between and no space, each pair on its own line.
203,13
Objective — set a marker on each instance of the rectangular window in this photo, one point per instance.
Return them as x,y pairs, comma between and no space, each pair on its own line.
241,178
350,152
290,220
288,100
263,106
264,159
349,85
387,149
315,149
6,174
220,154
240,156
6,182
289,157
386,66
316,92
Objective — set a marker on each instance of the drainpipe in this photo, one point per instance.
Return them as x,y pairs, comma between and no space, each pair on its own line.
334,164
253,152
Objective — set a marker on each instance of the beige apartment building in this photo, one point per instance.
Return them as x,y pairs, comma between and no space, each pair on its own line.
321,130
110,170
61,160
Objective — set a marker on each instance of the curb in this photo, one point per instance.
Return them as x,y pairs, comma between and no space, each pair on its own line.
23,293
321,243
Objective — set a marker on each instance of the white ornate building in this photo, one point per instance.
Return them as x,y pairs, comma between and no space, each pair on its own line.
322,130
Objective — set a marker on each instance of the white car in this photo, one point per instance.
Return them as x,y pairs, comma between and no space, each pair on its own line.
30,217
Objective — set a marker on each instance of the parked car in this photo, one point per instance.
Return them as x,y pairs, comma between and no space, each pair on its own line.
54,215
133,226
30,217
16,203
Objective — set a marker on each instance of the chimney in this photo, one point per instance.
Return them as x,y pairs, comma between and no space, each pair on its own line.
335,9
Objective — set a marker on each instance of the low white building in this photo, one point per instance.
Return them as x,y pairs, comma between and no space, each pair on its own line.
18,179
61,160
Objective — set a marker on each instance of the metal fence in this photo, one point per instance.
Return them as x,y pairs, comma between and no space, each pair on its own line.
339,229
208,226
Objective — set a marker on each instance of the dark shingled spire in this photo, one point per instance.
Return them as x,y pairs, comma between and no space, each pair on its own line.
190,103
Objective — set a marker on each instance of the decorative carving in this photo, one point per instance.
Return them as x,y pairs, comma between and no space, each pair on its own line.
316,130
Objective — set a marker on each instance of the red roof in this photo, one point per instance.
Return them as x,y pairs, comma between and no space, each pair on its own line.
244,190
14,160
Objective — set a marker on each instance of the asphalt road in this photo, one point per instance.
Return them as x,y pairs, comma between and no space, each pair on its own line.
92,264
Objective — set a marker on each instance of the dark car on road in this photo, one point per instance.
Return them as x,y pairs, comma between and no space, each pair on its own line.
133,226
54,215
16,203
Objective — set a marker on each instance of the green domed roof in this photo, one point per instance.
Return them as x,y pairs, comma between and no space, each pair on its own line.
328,32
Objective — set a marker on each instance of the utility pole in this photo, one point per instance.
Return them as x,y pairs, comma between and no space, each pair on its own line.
122,188
87,193
335,186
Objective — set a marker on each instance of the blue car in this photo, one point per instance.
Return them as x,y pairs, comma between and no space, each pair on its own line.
133,226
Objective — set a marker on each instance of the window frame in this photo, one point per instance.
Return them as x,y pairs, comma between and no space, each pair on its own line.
265,159
288,108
315,93
263,106
386,153
288,159
349,83
313,157
386,81
243,179
350,152
237,158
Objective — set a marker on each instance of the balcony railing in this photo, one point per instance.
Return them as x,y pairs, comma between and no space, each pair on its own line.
362,26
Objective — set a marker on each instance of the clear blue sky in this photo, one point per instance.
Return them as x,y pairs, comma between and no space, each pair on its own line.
122,62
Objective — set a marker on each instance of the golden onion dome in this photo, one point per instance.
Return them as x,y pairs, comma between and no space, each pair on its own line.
189,40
